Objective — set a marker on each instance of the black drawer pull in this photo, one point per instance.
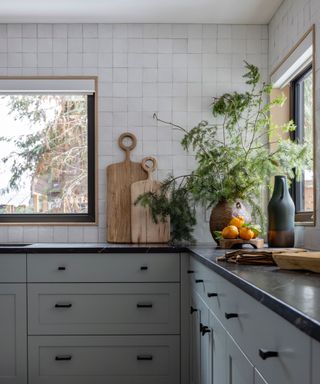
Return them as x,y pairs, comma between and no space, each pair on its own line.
62,268
265,354
145,357
63,358
205,330
193,310
143,268
63,305
190,271
199,281
231,315
144,305
212,294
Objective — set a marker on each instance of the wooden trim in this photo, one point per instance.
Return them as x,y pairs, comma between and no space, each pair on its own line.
67,223
311,29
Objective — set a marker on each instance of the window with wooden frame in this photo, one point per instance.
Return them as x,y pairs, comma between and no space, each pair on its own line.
302,114
47,150
295,77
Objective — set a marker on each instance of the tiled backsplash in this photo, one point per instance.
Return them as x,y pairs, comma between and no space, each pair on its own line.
171,69
288,25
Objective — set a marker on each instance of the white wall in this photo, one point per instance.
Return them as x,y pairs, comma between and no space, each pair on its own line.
142,68
291,21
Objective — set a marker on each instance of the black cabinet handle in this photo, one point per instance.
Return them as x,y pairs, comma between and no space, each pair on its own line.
143,268
63,358
63,305
265,354
145,357
62,268
231,315
205,330
212,294
199,281
193,310
190,271
144,305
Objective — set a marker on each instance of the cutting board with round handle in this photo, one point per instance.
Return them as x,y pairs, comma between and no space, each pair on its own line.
143,228
120,176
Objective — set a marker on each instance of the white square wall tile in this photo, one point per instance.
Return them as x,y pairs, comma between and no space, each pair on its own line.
45,30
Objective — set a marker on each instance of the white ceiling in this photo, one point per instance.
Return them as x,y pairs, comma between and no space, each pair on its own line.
138,11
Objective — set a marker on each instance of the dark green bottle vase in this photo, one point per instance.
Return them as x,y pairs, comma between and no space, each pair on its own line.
281,212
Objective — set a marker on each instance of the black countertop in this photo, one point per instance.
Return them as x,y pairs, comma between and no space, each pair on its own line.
88,248
294,295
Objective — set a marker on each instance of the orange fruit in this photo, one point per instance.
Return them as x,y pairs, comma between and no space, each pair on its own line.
237,221
246,233
230,232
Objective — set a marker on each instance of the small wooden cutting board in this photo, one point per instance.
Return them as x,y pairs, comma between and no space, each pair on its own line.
120,176
143,228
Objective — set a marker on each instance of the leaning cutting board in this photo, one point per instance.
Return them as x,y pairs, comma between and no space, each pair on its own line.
120,176
143,228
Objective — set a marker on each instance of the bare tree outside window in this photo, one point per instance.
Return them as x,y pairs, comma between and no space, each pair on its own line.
44,154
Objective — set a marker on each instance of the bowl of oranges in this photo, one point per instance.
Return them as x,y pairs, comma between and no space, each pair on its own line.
239,232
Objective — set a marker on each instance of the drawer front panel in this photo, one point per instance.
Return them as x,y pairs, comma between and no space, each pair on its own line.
107,308
13,268
255,327
99,267
104,360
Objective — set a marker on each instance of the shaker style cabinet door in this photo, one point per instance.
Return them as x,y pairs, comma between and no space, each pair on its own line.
258,379
13,334
218,350
315,362
194,339
239,369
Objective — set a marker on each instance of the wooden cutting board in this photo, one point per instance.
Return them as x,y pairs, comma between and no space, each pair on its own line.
120,176
143,228
309,261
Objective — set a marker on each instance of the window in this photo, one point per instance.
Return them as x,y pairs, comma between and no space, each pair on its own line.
47,150
302,113
295,78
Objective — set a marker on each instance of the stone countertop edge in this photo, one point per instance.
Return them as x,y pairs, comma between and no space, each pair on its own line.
301,320
304,322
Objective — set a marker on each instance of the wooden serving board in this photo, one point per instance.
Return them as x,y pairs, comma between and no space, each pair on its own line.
238,243
120,176
309,261
143,228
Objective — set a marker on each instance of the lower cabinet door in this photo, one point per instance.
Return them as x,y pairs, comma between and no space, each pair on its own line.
315,362
13,334
218,347
104,359
239,368
194,341
258,379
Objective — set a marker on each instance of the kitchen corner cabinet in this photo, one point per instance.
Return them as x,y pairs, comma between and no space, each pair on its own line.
13,319
236,340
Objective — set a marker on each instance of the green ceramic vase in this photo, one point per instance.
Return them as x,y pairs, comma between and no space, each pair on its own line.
281,212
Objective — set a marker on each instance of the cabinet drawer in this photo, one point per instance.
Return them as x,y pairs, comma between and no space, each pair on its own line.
105,308
211,287
13,268
104,359
104,267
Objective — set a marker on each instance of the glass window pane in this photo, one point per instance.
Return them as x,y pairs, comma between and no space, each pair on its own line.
43,154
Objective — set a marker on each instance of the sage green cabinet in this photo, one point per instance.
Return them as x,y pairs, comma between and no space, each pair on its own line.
13,319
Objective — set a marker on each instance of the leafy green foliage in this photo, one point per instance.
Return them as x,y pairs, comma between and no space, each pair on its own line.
234,159
175,201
